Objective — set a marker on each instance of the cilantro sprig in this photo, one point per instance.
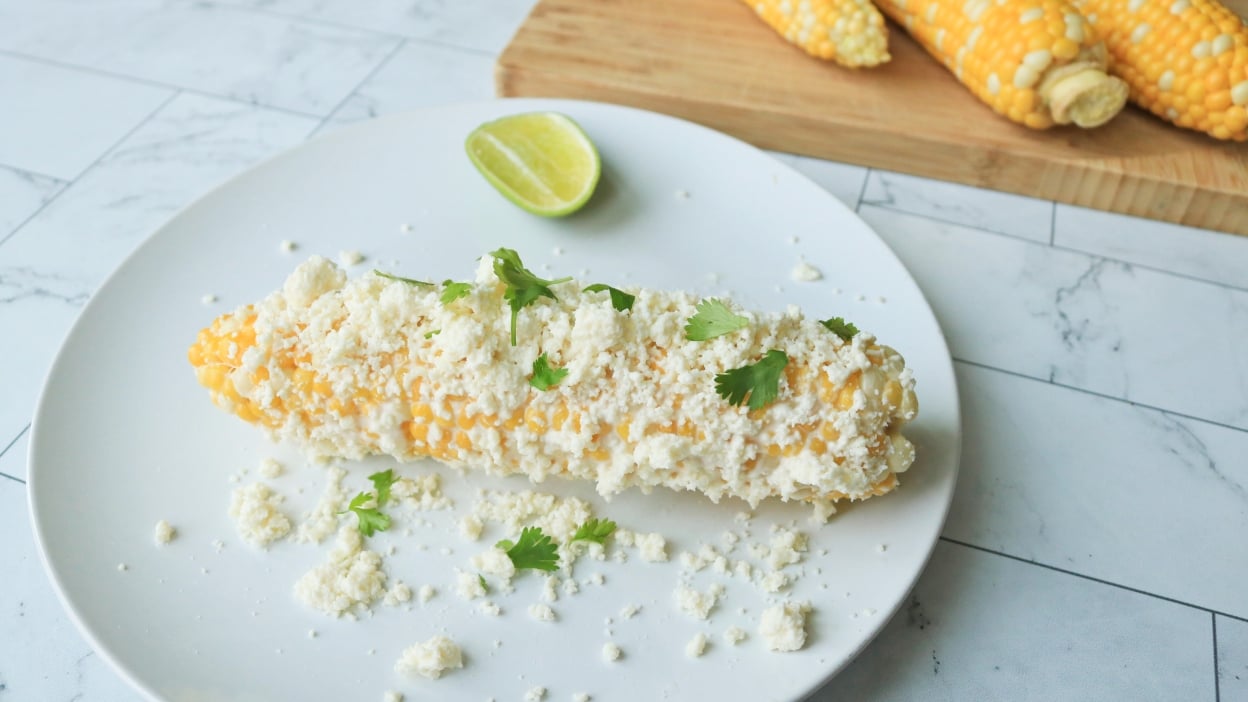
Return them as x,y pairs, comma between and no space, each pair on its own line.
838,326
712,319
381,483
544,375
759,381
523,287
620,300
533,549
452,291
401,279
596,530
371,519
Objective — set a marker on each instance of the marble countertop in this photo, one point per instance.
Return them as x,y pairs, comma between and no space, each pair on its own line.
1096,544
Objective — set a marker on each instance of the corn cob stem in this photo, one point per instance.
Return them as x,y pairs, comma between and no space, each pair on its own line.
381,367
1036,62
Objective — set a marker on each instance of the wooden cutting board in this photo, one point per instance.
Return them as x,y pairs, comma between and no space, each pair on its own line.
714,62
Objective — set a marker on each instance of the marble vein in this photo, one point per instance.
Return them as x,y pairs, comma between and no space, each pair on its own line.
21,195
990,210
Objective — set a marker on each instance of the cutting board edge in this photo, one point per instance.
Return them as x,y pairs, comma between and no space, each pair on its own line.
1132,194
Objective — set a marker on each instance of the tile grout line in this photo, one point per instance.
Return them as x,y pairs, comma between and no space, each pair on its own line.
1093,393
26,171
351,93
1092,578
12,477
99,159
862,191
153,83
1217,684
350,27
1060,247
1053,224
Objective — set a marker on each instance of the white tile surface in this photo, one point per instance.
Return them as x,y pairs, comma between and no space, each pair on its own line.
419,75
21,195
980,627
1088,484
1232,659
42,655
1199,253
1079,320
485,26
994,211
48,269
843,180
248,56
46,129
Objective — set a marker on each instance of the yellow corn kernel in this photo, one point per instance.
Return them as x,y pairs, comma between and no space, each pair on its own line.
849,32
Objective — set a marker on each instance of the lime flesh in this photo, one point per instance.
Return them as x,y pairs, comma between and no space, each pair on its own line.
542,161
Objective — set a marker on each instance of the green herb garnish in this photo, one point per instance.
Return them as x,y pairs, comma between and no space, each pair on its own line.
840,327
544,375
532,550
452,291
596,530
713,319
409,281
381,483
523,287
760,381
620,300
371,519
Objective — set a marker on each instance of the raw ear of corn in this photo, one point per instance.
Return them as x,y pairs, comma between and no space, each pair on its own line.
849,32
378,366
1185,61
1036,62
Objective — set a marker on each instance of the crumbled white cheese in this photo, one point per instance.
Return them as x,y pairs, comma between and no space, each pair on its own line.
803,272
350,257
122,567
696,645
550,591
734,635
323,519
496,563
468,585
431,658
470,527
742,569
580,697
254,509
350,577
270,468
653,547
557,517
536,694
164,532
629,611
398,594
208,299
730,539
425,593
541,612
287,245
488,607
423,492
786,547
783,626
596,578
610,652
775,581
570,587
694,603
882,548
624,537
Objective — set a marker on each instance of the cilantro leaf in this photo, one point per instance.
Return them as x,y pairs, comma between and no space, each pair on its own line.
381,483
435,332
452,291
620,300
532,550
371,519
523,287
596,530
409,281
761,381
484,585
544,375
713,319
840,327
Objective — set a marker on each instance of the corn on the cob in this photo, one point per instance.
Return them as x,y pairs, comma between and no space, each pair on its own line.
1036,62
849,32
377,366
1185,61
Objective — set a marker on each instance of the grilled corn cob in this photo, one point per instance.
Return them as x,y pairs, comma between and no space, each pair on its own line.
1036,62
849,32
380,366
1185,61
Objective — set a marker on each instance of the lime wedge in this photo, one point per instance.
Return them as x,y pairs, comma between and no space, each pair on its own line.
542,161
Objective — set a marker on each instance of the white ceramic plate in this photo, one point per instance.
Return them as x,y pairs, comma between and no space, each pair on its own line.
124,437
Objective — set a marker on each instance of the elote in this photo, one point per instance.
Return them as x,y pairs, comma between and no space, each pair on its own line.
849,32
394,366
1035,62
1185,61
